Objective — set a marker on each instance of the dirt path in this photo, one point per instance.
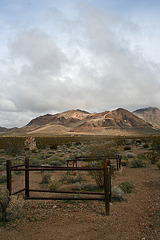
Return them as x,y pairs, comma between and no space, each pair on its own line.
137,218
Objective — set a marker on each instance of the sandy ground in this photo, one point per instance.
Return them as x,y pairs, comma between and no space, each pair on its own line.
137,218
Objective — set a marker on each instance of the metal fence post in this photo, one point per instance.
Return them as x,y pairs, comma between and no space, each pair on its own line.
120,158
109,179
26,177
8,173
117,164
106,187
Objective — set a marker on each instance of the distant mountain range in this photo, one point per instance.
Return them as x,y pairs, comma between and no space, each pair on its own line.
116,122
151,115
3,129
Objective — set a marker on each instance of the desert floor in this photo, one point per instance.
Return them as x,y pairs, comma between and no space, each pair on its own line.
136,218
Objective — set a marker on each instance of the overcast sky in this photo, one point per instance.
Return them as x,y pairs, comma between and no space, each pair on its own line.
94,55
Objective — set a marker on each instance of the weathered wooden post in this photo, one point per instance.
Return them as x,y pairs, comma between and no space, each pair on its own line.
26,177
8,173
106,187
109,179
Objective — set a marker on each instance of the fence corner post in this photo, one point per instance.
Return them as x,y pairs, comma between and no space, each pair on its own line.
106,186
26,177
8,173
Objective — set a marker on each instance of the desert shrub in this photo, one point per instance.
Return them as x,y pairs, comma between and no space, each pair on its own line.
138,142
138,163
41,156
79,186
53,147
98,176
54,185
105,149
51,152
126,148
46,179
2,159
158,165
58,162
124,163
3,179
15,208
4,201
18,172
34,160
153,157
10,207
14,145
75,179
117,194
72,177
155,144
130,155
2,168
87,187
127,187
146,145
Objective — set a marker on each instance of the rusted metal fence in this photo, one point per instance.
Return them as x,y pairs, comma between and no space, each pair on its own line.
27,168
74,162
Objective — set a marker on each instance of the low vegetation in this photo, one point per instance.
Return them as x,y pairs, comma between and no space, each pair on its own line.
118,194
127,187
55,151
10,206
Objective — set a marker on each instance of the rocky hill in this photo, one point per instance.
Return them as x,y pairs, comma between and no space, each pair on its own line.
3,129
151,115
79,121
116,119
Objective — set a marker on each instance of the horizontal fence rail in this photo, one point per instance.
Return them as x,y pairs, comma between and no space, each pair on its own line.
105,196
74,162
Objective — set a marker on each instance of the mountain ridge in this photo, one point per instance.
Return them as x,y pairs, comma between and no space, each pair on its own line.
79,121
150,114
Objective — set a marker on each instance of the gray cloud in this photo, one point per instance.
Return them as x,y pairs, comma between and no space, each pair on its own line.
87,65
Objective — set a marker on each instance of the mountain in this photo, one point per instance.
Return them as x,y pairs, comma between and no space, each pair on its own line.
79,121
116,119
151,115
3,129
65,118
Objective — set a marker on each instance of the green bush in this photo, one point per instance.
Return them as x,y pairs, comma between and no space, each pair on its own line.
158,165
146,145
106,149
72,177
10,207
15,208
58,162
138,163
127,187
46,179
124,163
4,201
54,185
3,179
127,148
153,157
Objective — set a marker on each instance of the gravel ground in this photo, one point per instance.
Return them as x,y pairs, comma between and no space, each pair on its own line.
137,218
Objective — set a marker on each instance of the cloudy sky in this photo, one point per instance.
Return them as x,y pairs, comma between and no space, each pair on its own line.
94,55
